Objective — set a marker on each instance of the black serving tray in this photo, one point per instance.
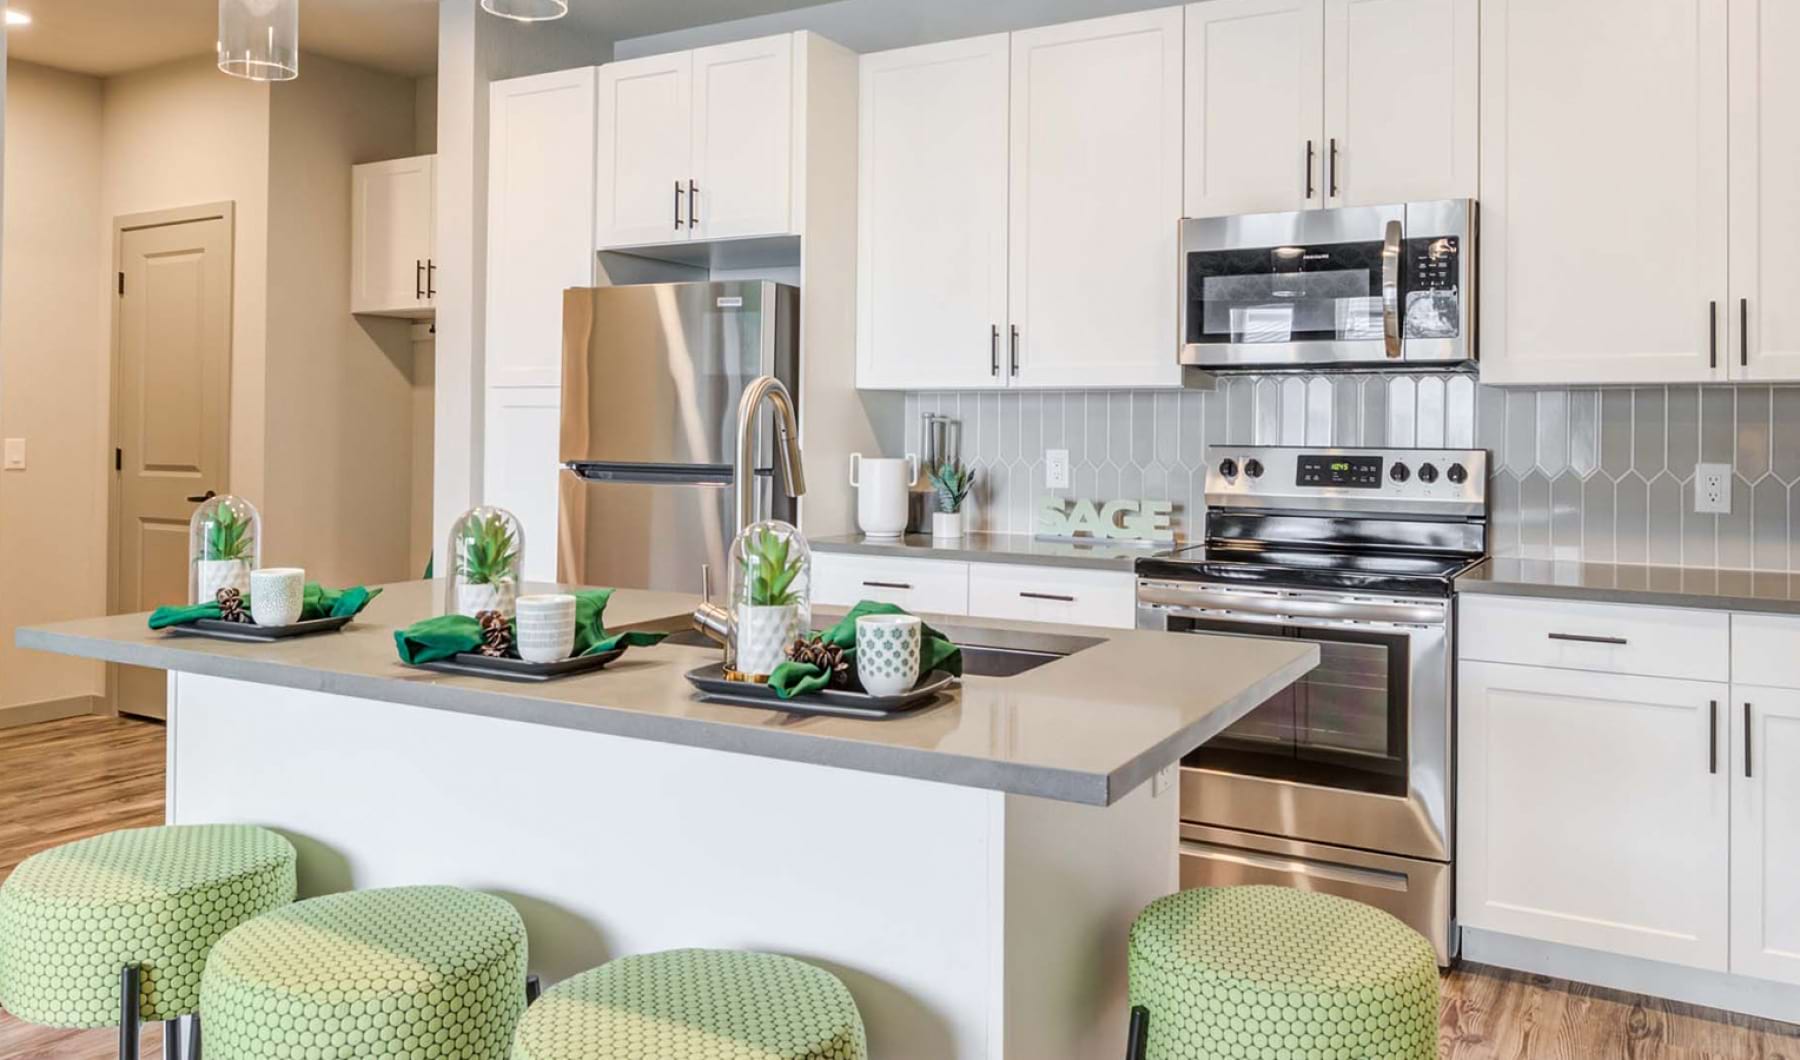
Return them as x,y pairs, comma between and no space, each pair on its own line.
475,664
714,687
219,629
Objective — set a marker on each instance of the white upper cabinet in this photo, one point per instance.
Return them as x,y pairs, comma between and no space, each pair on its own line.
1254,106
1604,191
931,290
743,139
1402,108
540,219
645,150
1765,832
393,211
697,145
1764,312
1096,193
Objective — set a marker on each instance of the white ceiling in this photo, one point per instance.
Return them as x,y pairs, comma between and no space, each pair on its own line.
106,37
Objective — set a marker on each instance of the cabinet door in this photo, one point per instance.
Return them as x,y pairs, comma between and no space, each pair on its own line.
1592,811
931,286
919,585
393,205
524,425
1765,196
1603,191
1765,833
743,139
1254,102
1053,594
1096,197
540,219
1402,105
645,150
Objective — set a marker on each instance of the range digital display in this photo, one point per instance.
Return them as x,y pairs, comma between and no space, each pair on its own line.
1354,472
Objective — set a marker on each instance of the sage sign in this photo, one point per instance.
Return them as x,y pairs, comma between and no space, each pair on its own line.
1122,520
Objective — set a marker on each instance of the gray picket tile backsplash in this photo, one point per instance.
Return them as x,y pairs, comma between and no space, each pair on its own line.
1599,474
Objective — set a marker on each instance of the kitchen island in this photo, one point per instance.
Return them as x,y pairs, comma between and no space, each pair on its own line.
969,869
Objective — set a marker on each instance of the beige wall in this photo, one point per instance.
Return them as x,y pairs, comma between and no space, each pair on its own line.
53,315
337,493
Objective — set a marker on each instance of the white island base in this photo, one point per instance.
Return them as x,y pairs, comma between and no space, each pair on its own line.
968,923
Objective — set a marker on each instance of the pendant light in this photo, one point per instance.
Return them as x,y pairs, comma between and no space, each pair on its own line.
259,40
527,10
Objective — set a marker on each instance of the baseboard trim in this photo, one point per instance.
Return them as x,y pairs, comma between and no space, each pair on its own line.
50,710
1694,986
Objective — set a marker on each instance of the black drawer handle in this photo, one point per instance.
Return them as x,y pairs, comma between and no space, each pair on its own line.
1749,721
1049,596
1712,737
886,585
1581,638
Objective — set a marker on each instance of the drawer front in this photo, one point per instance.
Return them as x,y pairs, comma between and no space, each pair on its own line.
1053,594
1765,650
919,585
1603,638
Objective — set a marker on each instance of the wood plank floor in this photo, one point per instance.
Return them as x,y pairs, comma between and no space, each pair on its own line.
66,779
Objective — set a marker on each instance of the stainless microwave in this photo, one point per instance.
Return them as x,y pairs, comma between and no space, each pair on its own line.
1362,287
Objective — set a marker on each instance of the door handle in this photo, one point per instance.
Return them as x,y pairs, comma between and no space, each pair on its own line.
1712,737
1583,638
1747,720
994,351
1712,333
1333,163
678,204
886,585
1015,349
693,205
418,281
203,498
430,278
1309,167
1390,290
1744,332
1048,596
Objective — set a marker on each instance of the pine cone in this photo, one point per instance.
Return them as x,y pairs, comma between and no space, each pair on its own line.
496,635
231,606
829,658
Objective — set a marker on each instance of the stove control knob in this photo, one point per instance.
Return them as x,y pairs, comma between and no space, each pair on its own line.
1228,468
1458,474
1399,472
1428,473
1253,468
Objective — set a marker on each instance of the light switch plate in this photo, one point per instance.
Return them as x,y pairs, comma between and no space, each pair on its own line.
15,454
1056,469
1712,489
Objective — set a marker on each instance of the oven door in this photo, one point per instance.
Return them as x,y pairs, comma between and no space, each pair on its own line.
1357,752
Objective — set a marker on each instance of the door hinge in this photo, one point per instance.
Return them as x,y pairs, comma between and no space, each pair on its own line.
118,459
121,285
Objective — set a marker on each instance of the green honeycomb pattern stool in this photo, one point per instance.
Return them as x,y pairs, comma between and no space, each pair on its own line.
73,918
1273,973
695,1005
421,973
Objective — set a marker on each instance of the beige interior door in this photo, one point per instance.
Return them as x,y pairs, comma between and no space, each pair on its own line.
171,411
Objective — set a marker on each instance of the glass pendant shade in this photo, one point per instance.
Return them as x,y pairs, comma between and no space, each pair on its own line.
527,10
260,39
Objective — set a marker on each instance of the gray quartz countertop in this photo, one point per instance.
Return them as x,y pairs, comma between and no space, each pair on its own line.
1701,587
993,548
1086,728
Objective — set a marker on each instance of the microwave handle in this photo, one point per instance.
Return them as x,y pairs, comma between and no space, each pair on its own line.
1390,290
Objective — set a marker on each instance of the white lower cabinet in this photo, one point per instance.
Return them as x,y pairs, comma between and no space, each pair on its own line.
1595,811
1765,832
1053,594
920,585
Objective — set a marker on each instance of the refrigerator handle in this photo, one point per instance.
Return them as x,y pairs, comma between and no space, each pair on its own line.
706,583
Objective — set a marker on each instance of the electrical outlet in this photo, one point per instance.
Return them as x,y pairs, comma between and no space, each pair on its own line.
1712,489
1056,469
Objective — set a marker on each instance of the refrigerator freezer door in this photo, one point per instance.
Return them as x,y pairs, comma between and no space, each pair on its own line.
646,531
652,374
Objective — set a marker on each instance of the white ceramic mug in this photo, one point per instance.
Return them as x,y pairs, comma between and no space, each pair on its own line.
276,595
887,653
883,487
545,625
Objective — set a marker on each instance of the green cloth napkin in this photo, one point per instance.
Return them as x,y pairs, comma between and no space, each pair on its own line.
792,679
317,602
439,638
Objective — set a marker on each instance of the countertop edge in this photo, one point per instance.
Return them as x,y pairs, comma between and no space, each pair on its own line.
1092,789
1640,597
953,554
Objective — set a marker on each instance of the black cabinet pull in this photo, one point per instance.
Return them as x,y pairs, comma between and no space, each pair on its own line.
1712,737
1309,165
203,498
1334,168
1712,332
1015,349
886,585
1582,638
1049,596
1744,332
430,278
693,205
678,204
994,351
418,281
1747,719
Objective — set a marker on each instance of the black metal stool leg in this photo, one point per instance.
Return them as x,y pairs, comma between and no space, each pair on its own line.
130,983
172,1039
533,987
1137,1038
192,1039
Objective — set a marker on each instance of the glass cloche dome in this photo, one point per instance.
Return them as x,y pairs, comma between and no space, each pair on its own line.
224,546
771,597
487,553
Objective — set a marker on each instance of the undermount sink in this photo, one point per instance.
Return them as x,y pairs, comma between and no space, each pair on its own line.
986,652
979,660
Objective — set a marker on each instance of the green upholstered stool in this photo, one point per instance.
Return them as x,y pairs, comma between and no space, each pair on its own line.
1271,973
74,917
407,972
695,1005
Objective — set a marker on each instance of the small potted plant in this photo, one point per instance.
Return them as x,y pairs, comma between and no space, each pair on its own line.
772,604
224,538
487,549
951,481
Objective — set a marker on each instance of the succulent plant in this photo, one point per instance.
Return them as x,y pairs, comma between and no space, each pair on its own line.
952,481
228,536
489,553
770,570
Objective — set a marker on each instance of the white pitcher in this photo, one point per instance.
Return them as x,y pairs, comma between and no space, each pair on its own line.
882,485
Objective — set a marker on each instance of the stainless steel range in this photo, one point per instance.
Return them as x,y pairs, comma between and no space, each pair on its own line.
1342,783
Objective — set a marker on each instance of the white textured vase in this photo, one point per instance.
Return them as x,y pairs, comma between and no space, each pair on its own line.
763,636
473,599
215,574
947,526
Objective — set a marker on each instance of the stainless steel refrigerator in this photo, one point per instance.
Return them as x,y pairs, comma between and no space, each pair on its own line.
652,375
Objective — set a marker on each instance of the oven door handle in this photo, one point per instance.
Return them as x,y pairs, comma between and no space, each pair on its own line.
1204,603
1390,289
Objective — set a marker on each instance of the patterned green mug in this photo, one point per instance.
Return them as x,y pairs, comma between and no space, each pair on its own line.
887,653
